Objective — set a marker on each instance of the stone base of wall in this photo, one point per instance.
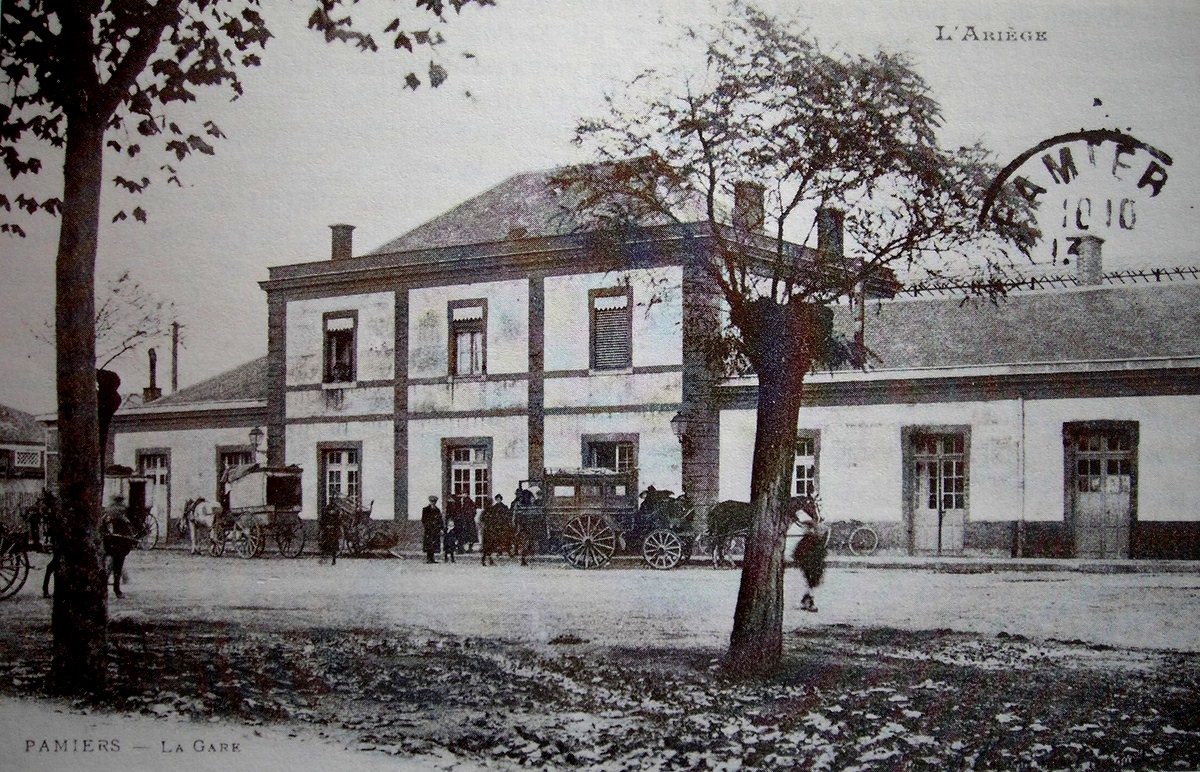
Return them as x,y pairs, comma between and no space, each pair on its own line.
1165,541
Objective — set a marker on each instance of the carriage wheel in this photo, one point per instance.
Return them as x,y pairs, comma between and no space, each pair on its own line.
216,540
588,542
149,538
728,551
662,549
290,539
248,541
14,570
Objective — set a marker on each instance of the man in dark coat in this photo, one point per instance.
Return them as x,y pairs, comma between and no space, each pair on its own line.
431,529
496,521
464,523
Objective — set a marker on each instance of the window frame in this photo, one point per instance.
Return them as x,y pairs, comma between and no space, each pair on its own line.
453,329
222,450
908,439
449,445
609,292
806,436
328,374
323,449
586,441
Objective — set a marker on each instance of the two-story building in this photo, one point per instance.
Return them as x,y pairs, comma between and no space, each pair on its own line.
504,337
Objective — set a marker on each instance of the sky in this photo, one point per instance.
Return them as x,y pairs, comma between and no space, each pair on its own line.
325,134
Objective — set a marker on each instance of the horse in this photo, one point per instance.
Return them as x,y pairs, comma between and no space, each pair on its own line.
734,518
202,513
122,528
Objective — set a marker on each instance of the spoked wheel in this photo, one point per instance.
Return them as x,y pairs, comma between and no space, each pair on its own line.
248,540
588,541
863,541
150,533
14,570
260,538
290,539
662,549
728,551
216,540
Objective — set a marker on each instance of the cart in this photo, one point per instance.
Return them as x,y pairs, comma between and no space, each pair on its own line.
123,488
592,514
264,503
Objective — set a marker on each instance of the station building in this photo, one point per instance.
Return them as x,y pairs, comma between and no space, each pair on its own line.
503,338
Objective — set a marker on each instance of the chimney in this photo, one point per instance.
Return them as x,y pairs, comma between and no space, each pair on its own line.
152,392
343,241
1090,270
829,232
748,206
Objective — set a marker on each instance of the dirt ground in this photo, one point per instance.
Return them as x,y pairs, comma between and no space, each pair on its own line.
849,695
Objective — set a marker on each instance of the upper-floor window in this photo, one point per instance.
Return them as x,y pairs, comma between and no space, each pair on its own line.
468,337
611,315
341,330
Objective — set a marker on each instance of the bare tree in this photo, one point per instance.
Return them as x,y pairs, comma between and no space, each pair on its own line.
83,76
792,134
129,317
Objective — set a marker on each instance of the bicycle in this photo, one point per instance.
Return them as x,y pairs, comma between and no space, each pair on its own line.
356,530
860,538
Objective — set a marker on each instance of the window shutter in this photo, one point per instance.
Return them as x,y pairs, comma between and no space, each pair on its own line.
611,339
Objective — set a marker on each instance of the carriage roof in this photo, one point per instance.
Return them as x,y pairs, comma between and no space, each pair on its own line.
239,471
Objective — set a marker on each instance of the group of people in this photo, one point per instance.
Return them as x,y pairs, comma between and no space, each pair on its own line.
451,533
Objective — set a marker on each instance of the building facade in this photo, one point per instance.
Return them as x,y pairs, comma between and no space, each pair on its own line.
501,339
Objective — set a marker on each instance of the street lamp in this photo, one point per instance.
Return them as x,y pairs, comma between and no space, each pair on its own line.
256,436
679,425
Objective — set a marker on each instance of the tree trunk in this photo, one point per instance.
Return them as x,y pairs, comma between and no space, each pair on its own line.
80,615
781,341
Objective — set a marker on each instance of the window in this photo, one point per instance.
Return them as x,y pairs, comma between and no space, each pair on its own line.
942,470
156,465
620,456
340,329
468,337
611,328
470,473
341,467
804,467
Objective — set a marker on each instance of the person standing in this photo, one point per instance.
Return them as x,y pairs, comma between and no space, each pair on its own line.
431,529
496,521
811,551
464,523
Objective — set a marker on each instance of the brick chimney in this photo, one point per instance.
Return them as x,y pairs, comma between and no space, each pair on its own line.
343,241
829,232
152,392
1090,270
748,207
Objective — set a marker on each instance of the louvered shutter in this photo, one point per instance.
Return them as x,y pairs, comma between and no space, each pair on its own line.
610,334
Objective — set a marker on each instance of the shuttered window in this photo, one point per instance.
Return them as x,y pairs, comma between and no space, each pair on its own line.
611,342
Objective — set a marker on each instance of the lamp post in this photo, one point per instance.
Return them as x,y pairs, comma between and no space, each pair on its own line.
256,435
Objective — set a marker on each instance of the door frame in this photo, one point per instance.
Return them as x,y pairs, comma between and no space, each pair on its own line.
1070,432
908,477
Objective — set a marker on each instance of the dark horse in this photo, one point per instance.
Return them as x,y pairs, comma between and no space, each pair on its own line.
730,518
122,527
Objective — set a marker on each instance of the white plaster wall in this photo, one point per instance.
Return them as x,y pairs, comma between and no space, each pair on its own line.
608,389
658,448
377,462
507,327
657,316
510,454
193,453
861,471
375,337
860,467
1168,452
360,400
468,395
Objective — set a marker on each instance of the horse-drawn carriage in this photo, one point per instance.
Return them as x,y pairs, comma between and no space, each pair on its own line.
588,515
261,503
126,490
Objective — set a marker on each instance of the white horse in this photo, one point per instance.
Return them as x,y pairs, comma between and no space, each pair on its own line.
198,512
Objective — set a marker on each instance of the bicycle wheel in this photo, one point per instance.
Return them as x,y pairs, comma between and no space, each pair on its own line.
14,570
863,540
150,533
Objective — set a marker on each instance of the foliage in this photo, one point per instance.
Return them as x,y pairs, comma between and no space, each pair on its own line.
136,64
